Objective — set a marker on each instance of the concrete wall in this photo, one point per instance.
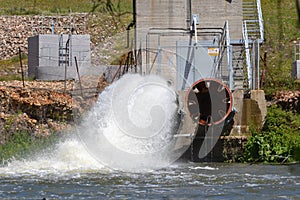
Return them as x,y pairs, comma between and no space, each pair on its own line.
214,13
58,73
159,14
175,14
44,56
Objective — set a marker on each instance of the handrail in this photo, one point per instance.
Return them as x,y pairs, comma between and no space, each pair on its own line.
260,20
248,62
221,45
229,56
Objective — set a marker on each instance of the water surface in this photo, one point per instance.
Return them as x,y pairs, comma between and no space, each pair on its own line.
178,181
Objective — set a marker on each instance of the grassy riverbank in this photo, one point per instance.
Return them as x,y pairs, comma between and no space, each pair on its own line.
279,140
281,32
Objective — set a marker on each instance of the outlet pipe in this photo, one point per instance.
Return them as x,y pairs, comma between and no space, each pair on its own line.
209,101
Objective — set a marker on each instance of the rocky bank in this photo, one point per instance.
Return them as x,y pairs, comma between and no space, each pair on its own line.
41,108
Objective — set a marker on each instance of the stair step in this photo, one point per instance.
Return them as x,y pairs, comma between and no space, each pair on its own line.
254,23
249,3
253,31
249,8
249,14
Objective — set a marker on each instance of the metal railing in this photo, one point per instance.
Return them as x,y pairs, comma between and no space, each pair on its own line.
253,74
247,50
260,20
297,51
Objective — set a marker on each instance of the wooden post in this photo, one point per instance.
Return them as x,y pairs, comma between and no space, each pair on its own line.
20,56
78,76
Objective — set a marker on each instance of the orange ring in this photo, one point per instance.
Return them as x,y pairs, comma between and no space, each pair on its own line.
228,92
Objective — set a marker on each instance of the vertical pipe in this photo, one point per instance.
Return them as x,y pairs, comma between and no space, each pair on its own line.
70,50
52,26
159,60
134,21
159,56
230,67
258,67
147,53
195,28
253,80
20,56
66,61
190,12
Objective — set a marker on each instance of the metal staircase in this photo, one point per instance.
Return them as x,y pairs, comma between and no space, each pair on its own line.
238,66
252,19
245,67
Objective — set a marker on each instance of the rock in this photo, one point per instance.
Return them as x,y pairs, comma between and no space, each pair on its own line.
40,107
288,100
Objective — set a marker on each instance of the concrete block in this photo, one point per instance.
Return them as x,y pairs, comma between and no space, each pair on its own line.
259,97
238,96
250,112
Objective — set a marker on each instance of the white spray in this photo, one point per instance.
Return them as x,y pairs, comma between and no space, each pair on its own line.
131,127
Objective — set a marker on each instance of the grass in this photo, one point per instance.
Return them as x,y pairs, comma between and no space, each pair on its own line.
10,65
4,64
28,7
22,144
281,31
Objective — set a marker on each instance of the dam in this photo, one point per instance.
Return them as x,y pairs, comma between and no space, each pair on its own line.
207,53
202,46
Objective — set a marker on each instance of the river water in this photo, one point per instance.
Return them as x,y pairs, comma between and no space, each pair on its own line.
69,172
67,169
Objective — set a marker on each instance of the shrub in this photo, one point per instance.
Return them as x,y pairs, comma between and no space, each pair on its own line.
278,141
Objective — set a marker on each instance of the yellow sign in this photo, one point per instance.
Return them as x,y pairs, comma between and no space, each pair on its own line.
213,51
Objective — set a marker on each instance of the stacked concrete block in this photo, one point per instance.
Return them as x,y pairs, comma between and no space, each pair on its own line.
46,61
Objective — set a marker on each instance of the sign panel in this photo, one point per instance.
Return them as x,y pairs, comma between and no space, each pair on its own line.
213,51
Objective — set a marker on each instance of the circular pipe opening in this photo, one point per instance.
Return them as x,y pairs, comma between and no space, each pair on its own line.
209,101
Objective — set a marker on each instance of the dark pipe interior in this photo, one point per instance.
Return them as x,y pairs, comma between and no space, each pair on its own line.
209,101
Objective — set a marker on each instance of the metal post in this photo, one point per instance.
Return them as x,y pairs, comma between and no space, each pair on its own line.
195,28
52,26
20,56
76,64
147,53
258,68
230,67
159,60
253,69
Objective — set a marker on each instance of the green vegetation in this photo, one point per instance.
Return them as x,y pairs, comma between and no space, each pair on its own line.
281,31
22,144
279,139
31,7
9,65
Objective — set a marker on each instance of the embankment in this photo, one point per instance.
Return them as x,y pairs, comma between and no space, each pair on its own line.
39,108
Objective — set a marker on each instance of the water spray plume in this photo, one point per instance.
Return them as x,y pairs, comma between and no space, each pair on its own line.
132,124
